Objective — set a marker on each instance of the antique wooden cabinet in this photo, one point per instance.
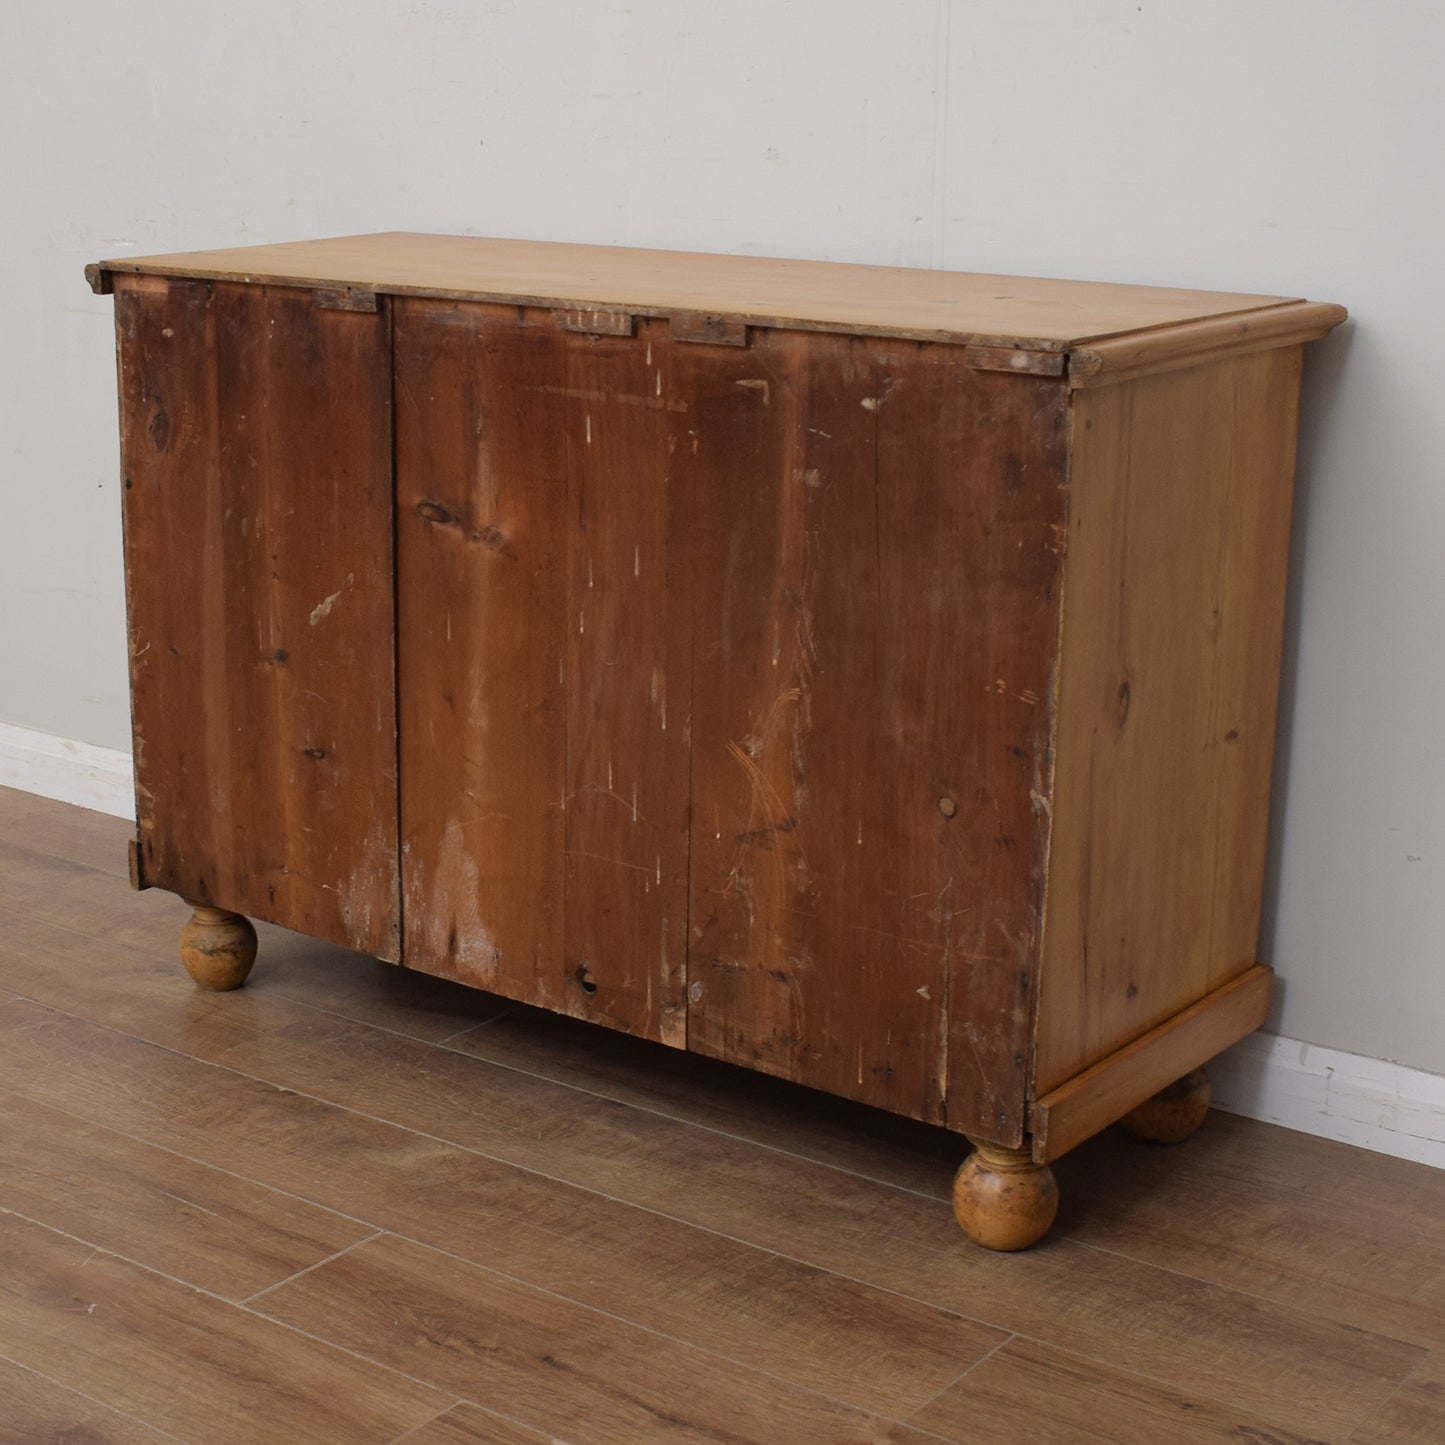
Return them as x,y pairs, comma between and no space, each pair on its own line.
867,676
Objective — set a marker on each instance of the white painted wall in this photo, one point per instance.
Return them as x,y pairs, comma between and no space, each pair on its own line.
1262,145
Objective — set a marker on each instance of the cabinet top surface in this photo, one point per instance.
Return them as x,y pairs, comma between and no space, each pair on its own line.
1007,311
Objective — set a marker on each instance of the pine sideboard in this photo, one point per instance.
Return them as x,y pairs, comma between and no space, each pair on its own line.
863,675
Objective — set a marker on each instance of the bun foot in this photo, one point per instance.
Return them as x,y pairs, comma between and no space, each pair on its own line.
1173,1114
1002,1199
218,947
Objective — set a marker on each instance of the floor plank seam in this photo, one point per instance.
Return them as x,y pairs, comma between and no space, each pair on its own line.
1009,1338
944,1193
199,1163
434,1137
651,1330
211,1294
864,1283
331,1344
739,1240
93,1400
1366,1421
446,1044
447,1039
301,1273
1304,1310
1113,1367
510,1068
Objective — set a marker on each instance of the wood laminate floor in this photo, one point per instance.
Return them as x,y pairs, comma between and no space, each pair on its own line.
352,1204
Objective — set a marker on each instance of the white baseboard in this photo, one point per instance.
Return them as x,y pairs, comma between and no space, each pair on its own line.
1369,1102
80,773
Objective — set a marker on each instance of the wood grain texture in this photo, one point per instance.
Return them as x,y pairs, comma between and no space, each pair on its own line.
160,1209
1008,311
185,1361
1071,1400
718,1096
258,558
1415,1414
1109,1089
1292,1366
545,803
1002,1199
1196,343
874,625
482,576
546,1361
69,834
625,803
37,1409
472,1425
1349,1234
1169,667
810,1326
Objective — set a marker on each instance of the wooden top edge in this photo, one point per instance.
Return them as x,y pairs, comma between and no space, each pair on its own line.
1104,359
1032,314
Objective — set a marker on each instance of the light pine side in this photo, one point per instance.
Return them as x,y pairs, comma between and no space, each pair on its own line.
1180,491
1010,311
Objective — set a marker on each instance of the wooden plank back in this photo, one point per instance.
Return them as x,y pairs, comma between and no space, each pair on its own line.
258,564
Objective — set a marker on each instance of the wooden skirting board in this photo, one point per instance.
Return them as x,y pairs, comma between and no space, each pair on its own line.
1371,1103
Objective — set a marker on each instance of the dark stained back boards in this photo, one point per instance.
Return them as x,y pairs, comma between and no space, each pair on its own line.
544,798
874,616
256,456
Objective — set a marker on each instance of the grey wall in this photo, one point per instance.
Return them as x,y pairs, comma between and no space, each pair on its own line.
1283,147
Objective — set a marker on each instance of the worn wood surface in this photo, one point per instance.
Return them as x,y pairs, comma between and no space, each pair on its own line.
627,663
874,616
481,587
543,639
1180,488
1005,311
1253,1285
256,458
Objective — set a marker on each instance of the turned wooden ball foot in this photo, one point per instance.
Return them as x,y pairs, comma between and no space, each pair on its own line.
1002,1199
1173,1114
218,947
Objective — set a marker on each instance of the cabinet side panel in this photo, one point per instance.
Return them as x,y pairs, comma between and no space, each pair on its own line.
256,450
875,621
1180,490
481,491
628,675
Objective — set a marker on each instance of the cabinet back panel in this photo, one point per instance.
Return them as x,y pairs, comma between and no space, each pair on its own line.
544,795
256,452
875,618
628,668
481,599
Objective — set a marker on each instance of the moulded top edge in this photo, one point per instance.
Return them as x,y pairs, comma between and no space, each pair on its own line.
1028,313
